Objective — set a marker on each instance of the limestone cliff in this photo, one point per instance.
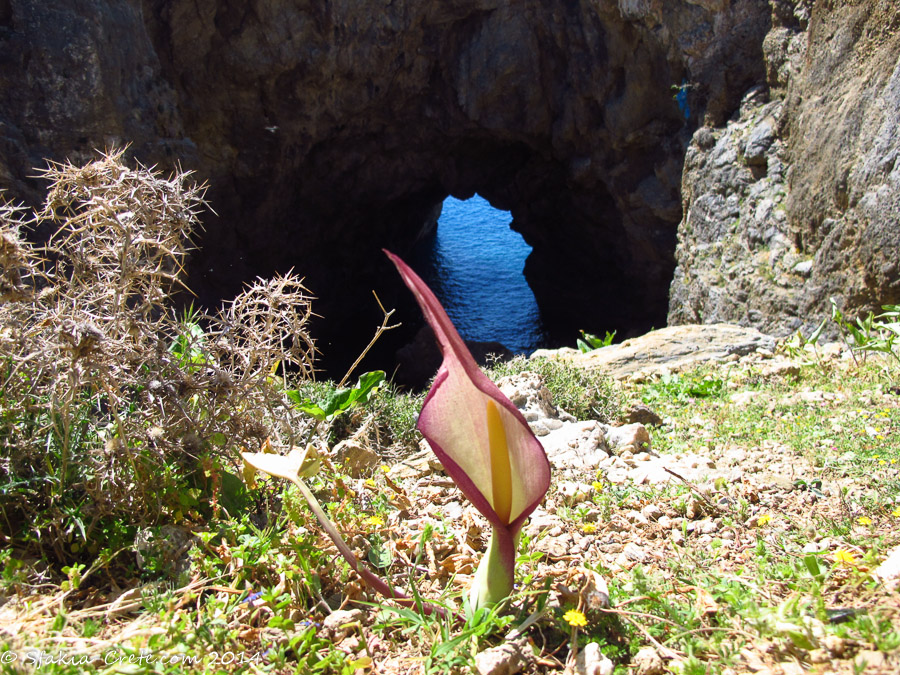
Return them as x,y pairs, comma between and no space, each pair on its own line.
330,128
796,199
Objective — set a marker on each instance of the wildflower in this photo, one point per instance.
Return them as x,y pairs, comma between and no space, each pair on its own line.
864,520
374,521
484,443
896,512
882,462
844,557
764,519
253,597
597,485
589,528
370,483
575,618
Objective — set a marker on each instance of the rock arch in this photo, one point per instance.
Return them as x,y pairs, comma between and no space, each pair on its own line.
328,129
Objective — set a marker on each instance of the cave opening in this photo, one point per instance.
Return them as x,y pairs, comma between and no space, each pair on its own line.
475,264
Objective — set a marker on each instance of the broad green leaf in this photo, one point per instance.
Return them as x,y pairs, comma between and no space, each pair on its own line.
340,400
313,410
813,566
380,556
233,494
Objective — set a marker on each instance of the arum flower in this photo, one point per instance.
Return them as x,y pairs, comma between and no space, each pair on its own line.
484,444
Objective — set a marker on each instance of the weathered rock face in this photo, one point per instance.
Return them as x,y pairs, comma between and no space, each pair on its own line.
797,199
330,129
79,76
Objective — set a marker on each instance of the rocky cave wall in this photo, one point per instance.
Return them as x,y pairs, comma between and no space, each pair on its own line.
327,130
796,199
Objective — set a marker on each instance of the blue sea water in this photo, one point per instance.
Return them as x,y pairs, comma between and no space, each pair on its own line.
475,267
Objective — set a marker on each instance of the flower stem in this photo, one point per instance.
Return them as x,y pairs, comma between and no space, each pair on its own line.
493,579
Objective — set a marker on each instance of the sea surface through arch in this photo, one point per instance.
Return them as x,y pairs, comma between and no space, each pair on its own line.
474,263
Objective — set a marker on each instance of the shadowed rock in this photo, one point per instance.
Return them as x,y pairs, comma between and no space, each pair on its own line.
328,130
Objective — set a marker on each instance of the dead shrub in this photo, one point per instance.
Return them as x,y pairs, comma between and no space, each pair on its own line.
115,412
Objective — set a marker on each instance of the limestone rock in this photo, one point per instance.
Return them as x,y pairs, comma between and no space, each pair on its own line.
648,662
576,445
668,348
787,204
642,414
337,624
591,661
505,659
630,436
870,660
356,457
420,464
889,570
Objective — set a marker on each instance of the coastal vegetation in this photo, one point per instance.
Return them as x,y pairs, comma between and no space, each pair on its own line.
136,540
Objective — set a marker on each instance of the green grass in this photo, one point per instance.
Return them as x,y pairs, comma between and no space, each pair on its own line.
259,588
580,393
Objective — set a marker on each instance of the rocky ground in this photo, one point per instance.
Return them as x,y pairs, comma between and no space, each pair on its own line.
738,517
727,505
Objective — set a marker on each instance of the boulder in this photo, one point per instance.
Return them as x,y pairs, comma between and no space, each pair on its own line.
667,349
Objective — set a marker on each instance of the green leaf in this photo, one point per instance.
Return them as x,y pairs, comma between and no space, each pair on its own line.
340,400
233,494
367,383
591,342
813,565
313,410
817,333
380,556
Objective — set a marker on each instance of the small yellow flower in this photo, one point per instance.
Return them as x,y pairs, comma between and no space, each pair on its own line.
896,512
575,618
844,557
370,483
589,528
764,519
374,521
384,468
864,520
597,485
893,461
882,462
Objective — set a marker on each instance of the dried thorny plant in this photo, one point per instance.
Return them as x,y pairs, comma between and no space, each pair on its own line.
267,325
116,412
16,258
